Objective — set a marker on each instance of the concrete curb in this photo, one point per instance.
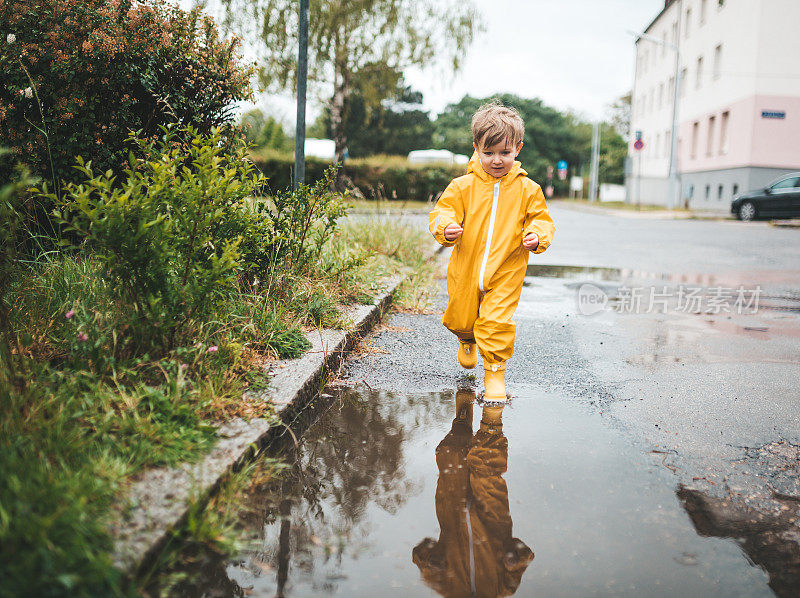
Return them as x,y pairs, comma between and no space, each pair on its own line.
160,499
643,214
786,223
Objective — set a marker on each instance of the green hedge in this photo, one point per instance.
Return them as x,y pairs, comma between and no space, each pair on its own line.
379,177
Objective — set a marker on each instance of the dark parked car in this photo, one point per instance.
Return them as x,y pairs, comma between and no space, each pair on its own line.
780,199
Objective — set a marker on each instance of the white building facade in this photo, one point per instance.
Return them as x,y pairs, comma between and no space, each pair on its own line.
738,105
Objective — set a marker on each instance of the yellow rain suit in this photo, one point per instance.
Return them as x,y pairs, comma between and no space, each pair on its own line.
487,266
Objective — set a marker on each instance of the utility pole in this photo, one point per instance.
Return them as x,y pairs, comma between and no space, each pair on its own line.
673,151
595,171
302,79
673,146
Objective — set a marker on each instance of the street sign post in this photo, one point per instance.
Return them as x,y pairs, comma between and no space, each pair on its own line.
576,187
562,169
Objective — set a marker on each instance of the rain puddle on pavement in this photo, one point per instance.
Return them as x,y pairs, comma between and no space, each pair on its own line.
430,494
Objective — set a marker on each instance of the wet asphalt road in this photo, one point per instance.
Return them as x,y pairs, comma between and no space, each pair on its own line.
707,383
645,452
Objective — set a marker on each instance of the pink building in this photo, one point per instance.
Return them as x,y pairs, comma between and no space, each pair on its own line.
739,100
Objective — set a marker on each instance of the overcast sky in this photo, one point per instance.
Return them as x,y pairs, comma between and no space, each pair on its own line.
573,54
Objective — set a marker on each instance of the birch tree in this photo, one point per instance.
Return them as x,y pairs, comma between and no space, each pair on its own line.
362,45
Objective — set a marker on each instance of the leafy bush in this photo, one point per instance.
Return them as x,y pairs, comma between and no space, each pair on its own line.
169,233
178,235
79,75
379,177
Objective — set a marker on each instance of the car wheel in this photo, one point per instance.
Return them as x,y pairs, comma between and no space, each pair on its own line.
747,211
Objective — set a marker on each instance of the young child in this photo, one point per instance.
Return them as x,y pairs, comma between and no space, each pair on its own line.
494,215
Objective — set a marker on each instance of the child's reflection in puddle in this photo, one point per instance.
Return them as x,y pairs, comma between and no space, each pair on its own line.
475,555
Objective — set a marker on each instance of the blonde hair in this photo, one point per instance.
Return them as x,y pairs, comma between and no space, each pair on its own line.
494,123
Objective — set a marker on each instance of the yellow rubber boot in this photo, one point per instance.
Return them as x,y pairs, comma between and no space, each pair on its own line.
494,383
464,401
467,354
492,419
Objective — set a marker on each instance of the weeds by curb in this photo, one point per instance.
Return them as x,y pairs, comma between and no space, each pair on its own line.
161,499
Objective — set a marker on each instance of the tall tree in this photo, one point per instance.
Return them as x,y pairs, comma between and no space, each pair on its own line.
264,131
619,114
354,44
395,126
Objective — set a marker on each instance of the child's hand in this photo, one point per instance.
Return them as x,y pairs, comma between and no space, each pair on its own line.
453,232
530,242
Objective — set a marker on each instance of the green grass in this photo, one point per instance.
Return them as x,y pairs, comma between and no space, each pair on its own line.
396,245
394,205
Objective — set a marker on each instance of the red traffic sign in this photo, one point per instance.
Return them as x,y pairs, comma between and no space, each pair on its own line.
638,145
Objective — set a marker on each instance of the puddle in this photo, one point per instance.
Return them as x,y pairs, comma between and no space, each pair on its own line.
428,494
769,540
674,320
785,279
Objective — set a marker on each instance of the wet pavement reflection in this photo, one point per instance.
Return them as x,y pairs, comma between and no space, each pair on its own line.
430,494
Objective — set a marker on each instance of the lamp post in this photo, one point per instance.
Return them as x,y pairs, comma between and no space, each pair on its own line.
302,79
595,168
673,150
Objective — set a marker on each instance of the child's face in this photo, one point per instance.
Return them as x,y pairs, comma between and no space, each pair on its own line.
498,159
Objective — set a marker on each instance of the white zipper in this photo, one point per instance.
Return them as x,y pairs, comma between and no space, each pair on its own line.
473,586
489,236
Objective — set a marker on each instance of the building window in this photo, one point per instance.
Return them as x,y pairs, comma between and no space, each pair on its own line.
720,3
657,152
687,27
735,190
663,44
708,192
671,89
698,83
695,133
660,95
675,33
717,61
703,6
723,133
712,121
720,189
684,84
667,142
